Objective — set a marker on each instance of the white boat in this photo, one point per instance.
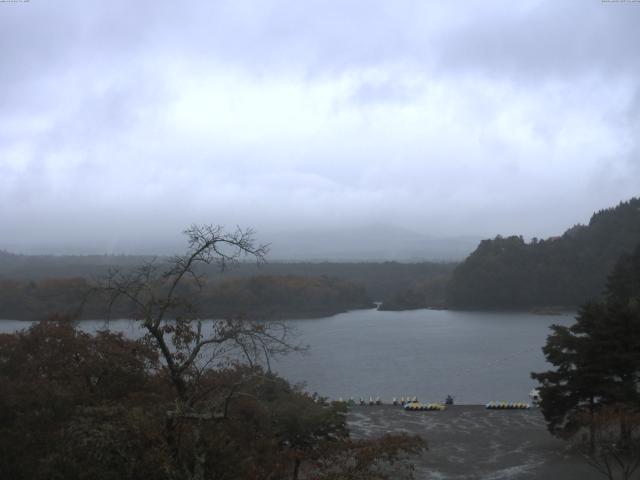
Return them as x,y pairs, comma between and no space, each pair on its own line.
534,395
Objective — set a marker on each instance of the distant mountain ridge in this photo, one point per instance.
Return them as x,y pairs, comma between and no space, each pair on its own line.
564,271
367,243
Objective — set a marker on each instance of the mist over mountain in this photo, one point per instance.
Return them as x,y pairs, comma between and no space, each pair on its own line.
373,243
368,243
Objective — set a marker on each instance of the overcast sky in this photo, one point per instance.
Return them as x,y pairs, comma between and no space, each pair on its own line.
124,120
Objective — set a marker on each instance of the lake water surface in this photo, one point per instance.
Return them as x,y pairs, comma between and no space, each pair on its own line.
474,356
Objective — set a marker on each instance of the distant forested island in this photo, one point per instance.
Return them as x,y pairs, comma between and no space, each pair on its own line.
564,271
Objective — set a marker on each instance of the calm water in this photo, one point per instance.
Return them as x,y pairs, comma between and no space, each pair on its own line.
476,357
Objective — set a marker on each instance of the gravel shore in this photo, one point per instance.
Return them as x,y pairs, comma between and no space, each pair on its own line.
470,442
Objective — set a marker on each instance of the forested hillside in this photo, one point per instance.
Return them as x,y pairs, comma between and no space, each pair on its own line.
278,297
559,271
261,297
384,281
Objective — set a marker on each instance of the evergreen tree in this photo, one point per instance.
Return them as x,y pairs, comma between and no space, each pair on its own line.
563,271
597,360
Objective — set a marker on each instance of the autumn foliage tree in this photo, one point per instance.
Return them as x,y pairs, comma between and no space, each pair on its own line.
55,380
79,406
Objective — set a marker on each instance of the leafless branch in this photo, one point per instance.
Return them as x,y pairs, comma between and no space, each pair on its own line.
171,319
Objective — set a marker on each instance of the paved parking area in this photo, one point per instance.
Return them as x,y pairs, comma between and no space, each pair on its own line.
470,442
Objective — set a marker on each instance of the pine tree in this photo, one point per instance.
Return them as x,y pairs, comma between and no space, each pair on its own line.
596,360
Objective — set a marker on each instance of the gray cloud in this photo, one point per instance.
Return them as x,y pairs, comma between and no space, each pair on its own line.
120,120
550,39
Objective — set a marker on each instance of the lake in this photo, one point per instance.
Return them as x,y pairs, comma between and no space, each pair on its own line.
474,356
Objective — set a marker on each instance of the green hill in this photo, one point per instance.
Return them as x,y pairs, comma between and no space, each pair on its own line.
565,271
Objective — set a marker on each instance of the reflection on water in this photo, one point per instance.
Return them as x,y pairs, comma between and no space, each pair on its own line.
474,356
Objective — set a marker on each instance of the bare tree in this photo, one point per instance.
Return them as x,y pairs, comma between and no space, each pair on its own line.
163,297
613,447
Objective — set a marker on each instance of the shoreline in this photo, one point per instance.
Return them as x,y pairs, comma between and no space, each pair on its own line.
542,311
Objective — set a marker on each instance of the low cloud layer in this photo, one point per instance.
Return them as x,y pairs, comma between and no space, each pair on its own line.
122,121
